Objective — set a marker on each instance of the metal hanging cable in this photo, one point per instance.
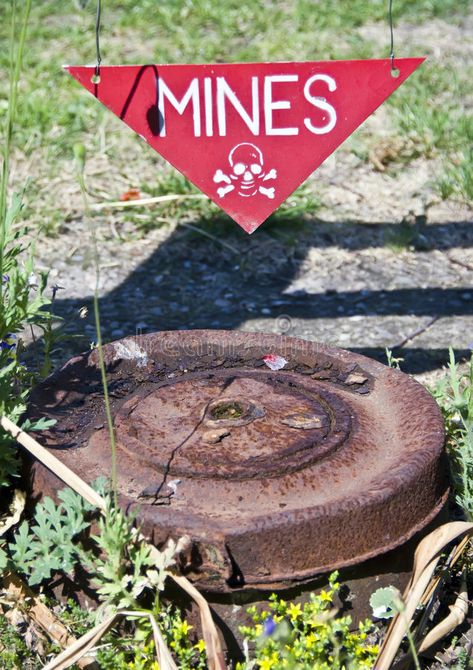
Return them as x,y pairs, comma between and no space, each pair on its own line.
394,70
96,78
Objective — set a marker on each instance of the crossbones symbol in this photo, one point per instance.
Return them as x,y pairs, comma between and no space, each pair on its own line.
247,173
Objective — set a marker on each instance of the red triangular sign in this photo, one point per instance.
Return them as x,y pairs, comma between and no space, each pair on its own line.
246,134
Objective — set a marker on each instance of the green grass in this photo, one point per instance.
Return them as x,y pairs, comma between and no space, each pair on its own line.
431,113
429,110
13,650
457,179
55,113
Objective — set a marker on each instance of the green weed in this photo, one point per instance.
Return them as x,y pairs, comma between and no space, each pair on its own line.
407,235
23,300
14,653
130,647
57,540
401,237
454,393
457,180
48,545
120,567
289,635
429,111
434,117
392,361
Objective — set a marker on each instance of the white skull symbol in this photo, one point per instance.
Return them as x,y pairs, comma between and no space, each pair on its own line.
246,161
248,174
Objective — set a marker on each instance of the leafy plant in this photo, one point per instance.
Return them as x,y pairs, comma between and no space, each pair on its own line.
120,566
454,393
177,634
23,304
124,566
307,636
392,361
14,653
131,648
383,602
47,545
118,560
463,660
23,299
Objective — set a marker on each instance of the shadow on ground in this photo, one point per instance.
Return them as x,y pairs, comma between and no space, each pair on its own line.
194,281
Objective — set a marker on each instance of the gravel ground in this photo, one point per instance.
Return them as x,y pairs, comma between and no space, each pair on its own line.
383,263
342,278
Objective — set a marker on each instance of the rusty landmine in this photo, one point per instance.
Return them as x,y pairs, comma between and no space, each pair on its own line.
275,475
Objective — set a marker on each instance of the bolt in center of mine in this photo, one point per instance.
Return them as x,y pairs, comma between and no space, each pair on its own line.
227,410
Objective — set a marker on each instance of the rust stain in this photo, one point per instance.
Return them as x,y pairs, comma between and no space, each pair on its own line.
275,475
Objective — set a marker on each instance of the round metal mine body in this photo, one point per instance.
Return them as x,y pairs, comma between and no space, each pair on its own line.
275,475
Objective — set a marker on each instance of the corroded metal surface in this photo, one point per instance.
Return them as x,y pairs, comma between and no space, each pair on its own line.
275,475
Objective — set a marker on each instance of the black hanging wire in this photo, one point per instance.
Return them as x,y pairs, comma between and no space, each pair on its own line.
394,70
98,17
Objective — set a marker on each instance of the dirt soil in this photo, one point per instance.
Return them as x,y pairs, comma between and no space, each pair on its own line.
383,263
338,279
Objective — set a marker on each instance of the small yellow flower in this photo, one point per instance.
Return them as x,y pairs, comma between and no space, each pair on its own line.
185,628
310,640
372,649
294,611
270,662
200,646
181,629
325,597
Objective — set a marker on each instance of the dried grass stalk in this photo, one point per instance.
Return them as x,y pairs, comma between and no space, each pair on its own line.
53,463
38,612
458,613
211,638
213,648
429,597
454,556
140,202
427,556
76,651
16,508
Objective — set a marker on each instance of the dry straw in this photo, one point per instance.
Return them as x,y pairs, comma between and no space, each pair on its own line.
422,583
421,588
79,648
